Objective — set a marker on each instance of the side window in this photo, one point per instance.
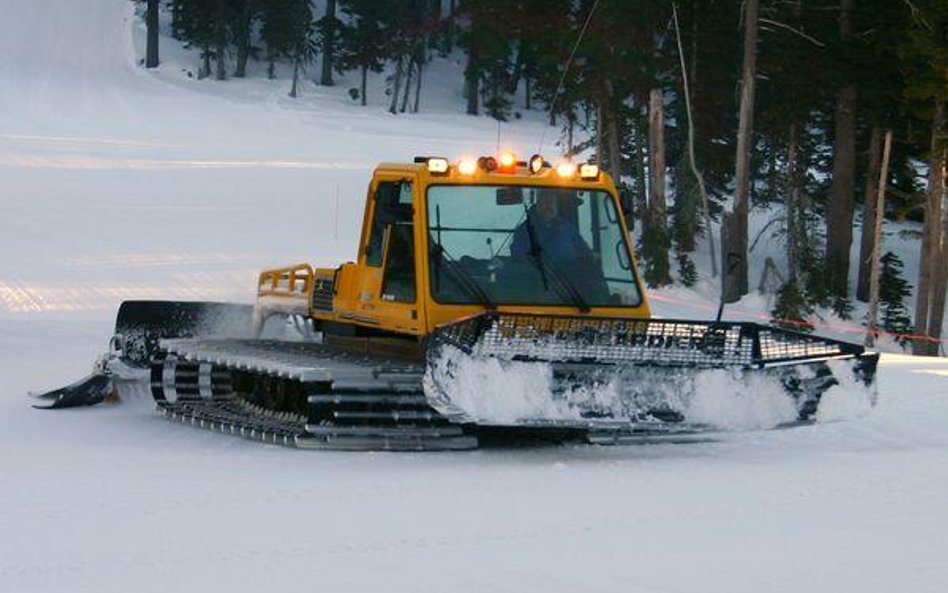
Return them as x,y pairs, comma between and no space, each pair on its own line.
398,283
392,229
388,206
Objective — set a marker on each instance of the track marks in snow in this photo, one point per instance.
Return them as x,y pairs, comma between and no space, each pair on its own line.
73,296
100,163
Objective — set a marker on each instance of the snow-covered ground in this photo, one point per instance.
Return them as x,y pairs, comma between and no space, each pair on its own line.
119,183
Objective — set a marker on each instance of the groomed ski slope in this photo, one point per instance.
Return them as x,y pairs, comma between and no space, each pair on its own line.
119,183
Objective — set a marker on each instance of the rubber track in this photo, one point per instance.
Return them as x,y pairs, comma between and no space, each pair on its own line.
355,403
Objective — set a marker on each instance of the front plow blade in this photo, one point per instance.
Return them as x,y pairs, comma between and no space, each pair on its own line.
91,390
636,375
139,328
141,325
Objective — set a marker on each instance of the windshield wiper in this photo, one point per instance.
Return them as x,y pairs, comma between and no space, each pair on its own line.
572,294
464,278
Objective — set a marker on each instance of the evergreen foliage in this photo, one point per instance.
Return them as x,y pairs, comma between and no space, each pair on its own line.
515,56
364,38
195,23
816,287
656,243
843,307
893,290
791,308
687,272
685,222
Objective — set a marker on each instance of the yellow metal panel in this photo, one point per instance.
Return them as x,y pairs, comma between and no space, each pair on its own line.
357,288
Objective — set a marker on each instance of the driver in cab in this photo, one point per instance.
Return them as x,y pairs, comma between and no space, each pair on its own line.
550,233
552,229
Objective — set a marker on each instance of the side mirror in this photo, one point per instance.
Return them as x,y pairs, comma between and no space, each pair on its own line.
626,200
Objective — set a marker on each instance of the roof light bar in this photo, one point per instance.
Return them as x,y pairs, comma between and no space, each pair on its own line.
488,163
438,166
536,164
589,171
467,166
566,169
507,162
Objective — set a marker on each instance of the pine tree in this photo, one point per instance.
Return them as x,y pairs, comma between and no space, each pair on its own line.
791,308
815,283
687,272
303,48
488,41
288,31
843,306
925,58
328,28
193,21
893,290
364,38
151,22
243,14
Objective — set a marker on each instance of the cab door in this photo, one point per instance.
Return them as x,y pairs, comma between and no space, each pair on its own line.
388,293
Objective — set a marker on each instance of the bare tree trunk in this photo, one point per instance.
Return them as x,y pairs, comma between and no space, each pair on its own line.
599,132
471,78
242,37
613,134
407,92
931,236
735,279
365,74
220,38
657,224
205,70
940,271
699,178
151,21
656,158
641,197
243,54
794,218
396,85
936,183
877,242
839,220
296,77
867,243
421,66
329,39
220,70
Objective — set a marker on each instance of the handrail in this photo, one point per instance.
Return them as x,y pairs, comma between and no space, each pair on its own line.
291,281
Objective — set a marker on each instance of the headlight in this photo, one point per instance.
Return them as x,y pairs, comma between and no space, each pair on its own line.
589,171
437,166
467,166
565,169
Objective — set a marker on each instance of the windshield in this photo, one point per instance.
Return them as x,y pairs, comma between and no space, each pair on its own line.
512,245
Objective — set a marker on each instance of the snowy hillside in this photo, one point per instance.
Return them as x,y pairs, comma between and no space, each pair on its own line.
119,183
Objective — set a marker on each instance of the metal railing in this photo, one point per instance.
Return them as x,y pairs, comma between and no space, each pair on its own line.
293,281
661,342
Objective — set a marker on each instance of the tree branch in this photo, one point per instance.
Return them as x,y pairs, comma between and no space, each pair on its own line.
917,15
798,32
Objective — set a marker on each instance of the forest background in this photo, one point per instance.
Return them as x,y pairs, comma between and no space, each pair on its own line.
816,111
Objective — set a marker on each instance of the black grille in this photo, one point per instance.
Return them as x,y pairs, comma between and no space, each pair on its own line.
322,292
699,344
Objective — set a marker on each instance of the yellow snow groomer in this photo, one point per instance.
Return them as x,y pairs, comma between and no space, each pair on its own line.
490,298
